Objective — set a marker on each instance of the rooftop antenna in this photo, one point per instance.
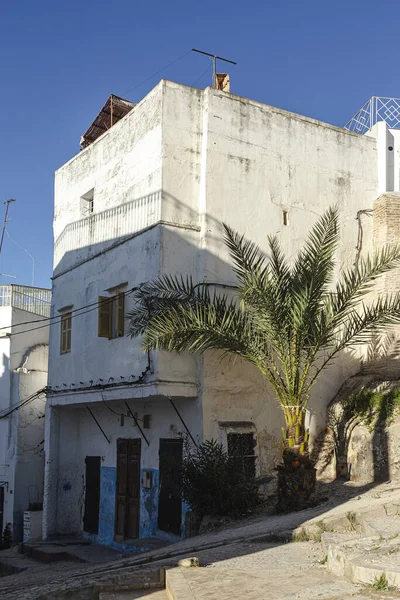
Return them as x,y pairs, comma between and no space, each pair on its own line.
7,203
216,83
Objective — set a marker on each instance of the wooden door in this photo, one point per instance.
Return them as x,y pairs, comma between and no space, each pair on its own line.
92,495
170,498
1,511
127,509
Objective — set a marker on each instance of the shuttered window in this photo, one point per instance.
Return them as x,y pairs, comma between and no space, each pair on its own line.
104,317
66,330
111,316
119,303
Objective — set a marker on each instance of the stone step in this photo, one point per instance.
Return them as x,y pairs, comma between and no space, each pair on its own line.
133,595
387,528
47,553
11,562
333,539
363,559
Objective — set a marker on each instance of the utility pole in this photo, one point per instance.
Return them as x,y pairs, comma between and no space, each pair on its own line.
214,57
7,203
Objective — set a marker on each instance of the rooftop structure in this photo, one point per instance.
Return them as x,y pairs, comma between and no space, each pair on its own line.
31,299
378,108
113,110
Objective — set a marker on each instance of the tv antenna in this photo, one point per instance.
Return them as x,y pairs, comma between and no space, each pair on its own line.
7,203
214,57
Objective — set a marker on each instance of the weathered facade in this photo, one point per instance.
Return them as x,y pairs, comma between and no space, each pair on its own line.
24,348
148,198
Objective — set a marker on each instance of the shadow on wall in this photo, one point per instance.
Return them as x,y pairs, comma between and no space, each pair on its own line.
5,398
362,437
180,254
177,251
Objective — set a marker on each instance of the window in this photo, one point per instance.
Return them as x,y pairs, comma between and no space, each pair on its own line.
66,326
87,203
111,316
241,447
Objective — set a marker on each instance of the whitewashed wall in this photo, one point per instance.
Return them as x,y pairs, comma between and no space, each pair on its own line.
208,158
22,433
80,436
247,163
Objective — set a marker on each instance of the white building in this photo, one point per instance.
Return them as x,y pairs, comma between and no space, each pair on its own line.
148,197
24,340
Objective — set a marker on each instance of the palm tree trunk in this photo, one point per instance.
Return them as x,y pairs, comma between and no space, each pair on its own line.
296,477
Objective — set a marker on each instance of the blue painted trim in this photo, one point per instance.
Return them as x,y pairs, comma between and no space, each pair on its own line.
108,487
148,526
149,505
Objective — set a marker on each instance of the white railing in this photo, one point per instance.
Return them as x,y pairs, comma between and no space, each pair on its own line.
109,225
31,299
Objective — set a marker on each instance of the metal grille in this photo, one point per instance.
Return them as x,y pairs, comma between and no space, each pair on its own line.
35,300
241,448
5,295
378,108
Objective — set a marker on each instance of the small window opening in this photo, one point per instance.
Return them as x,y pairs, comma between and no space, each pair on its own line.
285,217
87,203
241,449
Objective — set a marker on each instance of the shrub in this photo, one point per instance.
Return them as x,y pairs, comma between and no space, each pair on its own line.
369,405
215,484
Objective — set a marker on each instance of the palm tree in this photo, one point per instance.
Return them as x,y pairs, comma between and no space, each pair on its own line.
289,320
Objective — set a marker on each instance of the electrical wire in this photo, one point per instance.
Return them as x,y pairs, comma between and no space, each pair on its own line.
157,72
95,305
202,75
23,403
59,317
117,413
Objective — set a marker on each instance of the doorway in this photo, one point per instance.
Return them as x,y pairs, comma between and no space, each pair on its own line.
127,508
1,511
170,498
92,495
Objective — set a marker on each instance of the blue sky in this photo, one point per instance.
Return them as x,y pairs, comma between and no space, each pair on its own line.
61,59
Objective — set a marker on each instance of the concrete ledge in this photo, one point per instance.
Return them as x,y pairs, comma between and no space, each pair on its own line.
177,586
156,580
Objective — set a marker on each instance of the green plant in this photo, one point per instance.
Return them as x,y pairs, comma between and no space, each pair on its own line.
214,483
381,584
369,405
321,525
288,320
352,519
6,541
300,536
324,560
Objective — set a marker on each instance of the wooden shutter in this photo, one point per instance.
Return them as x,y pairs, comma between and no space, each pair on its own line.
104,316
119,314
65,337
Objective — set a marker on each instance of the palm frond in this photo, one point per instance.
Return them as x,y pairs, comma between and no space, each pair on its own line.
155,297
359,325
246,255
355,283
218,324
288,323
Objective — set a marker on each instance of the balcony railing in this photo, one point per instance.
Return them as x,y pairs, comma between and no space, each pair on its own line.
109,225
31,299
